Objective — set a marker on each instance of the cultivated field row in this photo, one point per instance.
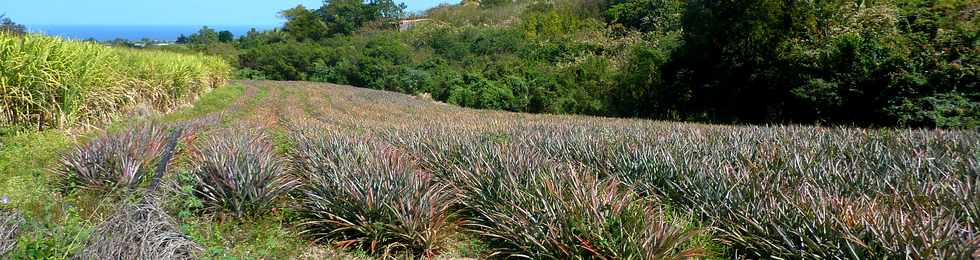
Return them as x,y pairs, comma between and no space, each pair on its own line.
395,175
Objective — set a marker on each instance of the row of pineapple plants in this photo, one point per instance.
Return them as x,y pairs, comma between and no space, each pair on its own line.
362,192
406,184
49,82
787,192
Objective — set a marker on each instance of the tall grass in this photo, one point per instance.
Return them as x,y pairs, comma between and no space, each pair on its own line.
48,82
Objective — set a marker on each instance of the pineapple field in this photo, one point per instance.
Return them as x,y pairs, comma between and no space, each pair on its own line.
300,170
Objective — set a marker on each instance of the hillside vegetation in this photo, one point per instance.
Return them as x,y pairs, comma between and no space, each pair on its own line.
303,170
47,82
873,63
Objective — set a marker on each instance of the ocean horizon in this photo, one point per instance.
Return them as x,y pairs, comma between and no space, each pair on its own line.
135,32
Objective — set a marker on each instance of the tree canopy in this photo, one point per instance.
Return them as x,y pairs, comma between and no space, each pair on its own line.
339,17
9,26
873,63
204,36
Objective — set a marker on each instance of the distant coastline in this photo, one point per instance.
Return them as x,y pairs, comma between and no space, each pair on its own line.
135,32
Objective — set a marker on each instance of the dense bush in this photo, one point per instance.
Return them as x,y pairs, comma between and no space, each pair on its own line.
646,15
283,61
238,172
360,193
828,61
881,63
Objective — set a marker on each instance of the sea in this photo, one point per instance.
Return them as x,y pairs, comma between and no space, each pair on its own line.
134,32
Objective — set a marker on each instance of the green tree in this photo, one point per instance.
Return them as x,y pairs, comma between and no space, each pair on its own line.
387,10
226,36
182,39
730,59
204,36
647,15
303,24
285,60
254,38
9,26
339,17
494,3
120,42
879,62
641,90
344,17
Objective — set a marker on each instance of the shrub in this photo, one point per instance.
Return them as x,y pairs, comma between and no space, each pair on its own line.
284,60
646,15
362,194
249,74
124,159
238,172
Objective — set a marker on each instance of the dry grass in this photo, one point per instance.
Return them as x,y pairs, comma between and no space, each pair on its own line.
140,230
10,223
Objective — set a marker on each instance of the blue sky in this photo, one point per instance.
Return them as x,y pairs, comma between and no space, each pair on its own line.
162,12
